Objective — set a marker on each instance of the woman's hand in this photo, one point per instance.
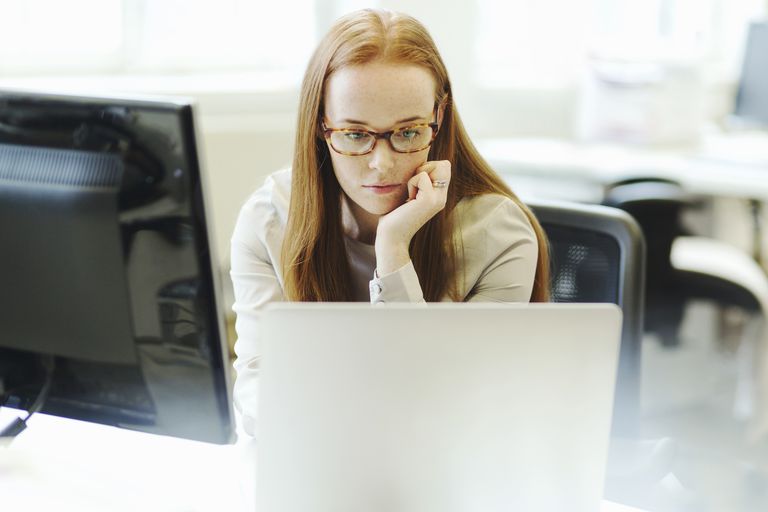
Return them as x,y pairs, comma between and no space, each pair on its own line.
427,194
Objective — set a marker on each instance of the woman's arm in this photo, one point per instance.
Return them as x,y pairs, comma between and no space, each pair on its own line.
255,246
397,228
399,286
501,252
255,285
395,279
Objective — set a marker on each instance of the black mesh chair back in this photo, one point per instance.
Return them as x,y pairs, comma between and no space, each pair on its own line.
585,265
598,255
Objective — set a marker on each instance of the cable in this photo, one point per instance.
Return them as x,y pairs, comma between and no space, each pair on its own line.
18,425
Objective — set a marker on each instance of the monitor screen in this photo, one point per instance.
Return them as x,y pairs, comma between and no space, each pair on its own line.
752,95
107,282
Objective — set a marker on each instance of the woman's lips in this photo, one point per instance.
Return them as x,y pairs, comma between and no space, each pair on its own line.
383,189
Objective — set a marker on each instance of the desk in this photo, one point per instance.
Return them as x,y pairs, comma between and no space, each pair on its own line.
700,171
726,167
67,465
72,466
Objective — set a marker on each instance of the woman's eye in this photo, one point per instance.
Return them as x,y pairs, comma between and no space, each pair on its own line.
410,133
355,136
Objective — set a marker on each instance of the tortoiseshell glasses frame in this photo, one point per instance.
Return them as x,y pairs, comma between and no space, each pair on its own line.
328,134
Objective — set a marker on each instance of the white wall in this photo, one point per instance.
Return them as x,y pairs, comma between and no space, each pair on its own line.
242,144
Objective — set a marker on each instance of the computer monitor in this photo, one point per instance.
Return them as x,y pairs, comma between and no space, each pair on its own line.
752,95
107,281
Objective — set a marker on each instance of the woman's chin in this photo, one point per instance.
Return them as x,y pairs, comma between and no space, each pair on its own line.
385,208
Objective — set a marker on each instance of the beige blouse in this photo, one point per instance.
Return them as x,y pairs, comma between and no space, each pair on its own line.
498,265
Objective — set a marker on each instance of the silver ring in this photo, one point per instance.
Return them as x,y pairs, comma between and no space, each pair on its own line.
439,184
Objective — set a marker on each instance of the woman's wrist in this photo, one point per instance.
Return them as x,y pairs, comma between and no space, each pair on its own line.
390,257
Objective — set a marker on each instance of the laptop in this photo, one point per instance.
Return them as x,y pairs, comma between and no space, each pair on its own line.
440,407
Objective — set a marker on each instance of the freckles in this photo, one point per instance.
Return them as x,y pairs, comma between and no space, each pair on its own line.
418,161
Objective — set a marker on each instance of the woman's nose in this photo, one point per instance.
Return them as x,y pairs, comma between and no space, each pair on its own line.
382,158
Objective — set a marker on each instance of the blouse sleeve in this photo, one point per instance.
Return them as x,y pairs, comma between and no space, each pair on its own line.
255,283
505,253
399,286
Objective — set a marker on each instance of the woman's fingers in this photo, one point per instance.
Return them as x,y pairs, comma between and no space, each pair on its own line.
432,176
419,182
438,171
413,187
427,195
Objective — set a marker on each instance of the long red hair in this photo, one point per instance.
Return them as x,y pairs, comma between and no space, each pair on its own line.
314,261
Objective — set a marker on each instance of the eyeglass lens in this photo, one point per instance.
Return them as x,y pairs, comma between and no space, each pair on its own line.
404,140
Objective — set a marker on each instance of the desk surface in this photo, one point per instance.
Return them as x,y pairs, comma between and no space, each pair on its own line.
67,465
735,166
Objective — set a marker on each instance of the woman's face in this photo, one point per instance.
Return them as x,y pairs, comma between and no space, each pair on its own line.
378,97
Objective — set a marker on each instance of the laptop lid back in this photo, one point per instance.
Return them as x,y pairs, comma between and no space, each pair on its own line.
447,407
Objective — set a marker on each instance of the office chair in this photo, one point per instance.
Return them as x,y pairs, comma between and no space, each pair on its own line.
682,268
658,205
598,255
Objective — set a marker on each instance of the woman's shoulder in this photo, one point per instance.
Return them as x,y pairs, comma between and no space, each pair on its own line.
492,223
271,198
492,211
266,208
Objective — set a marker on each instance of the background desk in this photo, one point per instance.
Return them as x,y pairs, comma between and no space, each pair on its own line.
720,167
67,465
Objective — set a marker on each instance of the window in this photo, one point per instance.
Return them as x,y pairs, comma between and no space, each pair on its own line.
546,43
76,35
521,43
155,36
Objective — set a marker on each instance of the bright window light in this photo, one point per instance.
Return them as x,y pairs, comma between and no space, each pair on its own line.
224,34
154,36
523,43
74,35
547,43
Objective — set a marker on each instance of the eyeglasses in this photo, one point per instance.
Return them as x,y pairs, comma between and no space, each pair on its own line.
355,142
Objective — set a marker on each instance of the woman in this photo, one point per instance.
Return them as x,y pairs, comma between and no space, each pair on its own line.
387,199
